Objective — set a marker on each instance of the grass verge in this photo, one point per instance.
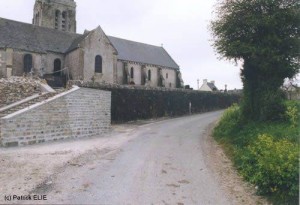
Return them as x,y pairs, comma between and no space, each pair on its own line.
265,153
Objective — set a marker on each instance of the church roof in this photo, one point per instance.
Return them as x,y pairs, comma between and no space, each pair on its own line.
28,37
18,35
142,53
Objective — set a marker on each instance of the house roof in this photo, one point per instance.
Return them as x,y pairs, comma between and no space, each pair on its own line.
23,36
212,86
142,53
33,38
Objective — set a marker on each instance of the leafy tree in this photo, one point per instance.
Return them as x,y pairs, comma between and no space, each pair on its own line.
264,35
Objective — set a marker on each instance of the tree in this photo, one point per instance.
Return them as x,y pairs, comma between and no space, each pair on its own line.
264,35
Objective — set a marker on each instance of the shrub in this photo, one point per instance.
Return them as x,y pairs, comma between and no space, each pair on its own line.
229,122
292,113
272,166
272,106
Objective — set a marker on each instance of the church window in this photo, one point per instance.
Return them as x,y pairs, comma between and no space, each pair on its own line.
64,14
57,67
149,75
131,72
37,18
98,64
64,19
57,15
27,63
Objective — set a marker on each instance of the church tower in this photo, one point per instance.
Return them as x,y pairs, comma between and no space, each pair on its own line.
56,14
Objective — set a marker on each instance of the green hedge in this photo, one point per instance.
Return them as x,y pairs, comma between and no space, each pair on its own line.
130,103
134,104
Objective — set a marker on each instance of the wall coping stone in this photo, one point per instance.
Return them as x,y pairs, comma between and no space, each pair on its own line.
20,102
75,88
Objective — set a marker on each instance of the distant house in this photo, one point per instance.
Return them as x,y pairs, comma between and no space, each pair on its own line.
291,91
208,86
235,91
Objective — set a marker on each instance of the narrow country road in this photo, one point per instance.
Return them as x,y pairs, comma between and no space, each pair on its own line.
162,164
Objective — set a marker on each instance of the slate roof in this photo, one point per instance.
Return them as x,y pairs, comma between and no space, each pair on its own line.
212,86
77,41
32,38
142,53
23,36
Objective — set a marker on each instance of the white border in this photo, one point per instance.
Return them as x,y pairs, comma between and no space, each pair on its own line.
75,88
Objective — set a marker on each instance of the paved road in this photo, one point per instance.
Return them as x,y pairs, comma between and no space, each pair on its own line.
162,163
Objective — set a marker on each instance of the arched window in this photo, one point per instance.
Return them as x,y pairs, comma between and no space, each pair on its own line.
64,20
57,17
149,75
37,18
57,67
167,75
27,63
98,64
131,73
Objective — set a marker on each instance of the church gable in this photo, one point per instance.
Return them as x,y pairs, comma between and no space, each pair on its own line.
99,56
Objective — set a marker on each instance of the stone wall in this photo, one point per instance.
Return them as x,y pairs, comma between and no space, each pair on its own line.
49,62
170,81
96,43
75,62
170,77
18,62
76,114
2,63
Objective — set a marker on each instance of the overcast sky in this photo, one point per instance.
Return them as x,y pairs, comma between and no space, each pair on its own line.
180,25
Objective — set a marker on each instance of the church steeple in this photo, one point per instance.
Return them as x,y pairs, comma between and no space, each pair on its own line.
56,14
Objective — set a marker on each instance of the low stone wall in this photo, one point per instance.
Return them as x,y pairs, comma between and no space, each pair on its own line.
78,114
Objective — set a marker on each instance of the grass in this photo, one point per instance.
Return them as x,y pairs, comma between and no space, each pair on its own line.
260,149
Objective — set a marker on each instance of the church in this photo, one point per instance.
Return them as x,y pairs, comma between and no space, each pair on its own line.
50,47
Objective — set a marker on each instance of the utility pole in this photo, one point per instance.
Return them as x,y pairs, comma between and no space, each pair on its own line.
198,81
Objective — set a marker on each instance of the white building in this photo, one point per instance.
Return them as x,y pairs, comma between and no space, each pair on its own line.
208,86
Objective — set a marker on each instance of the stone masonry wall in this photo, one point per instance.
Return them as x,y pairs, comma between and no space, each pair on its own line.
79,114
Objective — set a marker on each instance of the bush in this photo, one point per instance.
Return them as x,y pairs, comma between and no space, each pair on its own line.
292,113
265,152
272,166
229,122
272,107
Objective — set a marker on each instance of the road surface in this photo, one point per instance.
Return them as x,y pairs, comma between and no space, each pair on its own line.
162,163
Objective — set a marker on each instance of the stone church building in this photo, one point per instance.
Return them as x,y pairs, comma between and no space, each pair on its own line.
50,46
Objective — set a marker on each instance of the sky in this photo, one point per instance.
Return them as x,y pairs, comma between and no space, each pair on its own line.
180,26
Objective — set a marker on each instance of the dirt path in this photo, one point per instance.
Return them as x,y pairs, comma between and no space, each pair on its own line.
236,189
167,162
